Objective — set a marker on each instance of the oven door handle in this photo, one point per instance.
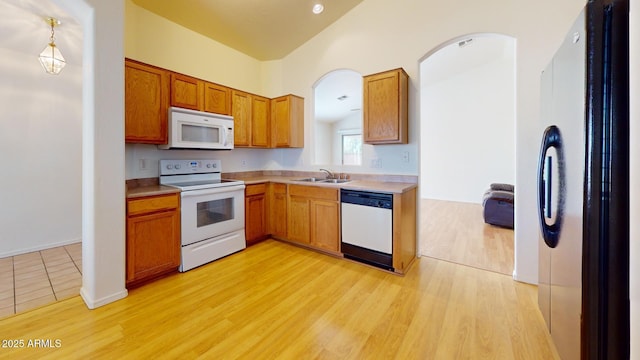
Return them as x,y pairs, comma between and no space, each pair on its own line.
211,191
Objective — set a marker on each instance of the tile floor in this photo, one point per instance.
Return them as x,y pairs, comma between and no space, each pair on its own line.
31,280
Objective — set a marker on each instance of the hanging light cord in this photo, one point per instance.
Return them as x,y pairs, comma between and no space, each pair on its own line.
52,39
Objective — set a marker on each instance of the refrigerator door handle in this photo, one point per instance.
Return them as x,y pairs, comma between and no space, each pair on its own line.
550,232
548,179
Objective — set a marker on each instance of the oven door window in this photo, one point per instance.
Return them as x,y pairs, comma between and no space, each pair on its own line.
209,213
214,211
200,134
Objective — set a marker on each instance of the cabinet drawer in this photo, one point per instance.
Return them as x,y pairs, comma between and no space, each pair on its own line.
316,192
152,204
278,188
255,189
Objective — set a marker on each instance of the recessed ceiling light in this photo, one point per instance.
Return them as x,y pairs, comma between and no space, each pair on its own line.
317,8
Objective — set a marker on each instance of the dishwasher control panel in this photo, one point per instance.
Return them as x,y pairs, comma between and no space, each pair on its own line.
366,198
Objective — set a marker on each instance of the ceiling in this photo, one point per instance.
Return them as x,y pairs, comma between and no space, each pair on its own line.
265,30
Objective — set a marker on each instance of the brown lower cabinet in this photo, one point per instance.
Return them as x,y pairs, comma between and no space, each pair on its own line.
404,230
310,216
277,216
255,210
153,237
314,217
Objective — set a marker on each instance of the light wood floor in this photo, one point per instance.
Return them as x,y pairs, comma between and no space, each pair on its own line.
275,300
456,232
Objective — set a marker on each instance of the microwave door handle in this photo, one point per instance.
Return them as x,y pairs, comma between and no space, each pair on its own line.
224,136
212,191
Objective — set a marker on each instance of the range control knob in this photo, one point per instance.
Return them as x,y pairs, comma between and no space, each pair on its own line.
169,166
177,166
208,165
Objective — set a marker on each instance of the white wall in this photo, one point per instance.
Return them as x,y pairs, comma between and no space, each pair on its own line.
324,149
40,149
467,130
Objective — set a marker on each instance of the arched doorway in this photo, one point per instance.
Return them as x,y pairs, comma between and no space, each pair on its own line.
337,122
467,132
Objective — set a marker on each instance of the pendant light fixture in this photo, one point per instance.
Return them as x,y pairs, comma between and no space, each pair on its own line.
51,59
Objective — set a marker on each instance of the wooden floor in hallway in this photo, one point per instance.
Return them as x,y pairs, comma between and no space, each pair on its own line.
456,232
278,301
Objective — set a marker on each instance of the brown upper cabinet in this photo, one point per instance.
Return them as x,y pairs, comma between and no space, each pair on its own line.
187,92
251,119
195,94
385,116
259,122
241,111
260,118
287,121
146,103
217,98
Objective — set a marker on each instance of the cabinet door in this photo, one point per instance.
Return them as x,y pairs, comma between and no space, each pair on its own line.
260,115
404,230
217,99
186,92
241,110
153,244
255,213
287,118
325,225
146,103
298,228
385,116
277,215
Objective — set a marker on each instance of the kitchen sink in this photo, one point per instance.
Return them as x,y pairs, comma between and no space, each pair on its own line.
311,179
320,180
335,181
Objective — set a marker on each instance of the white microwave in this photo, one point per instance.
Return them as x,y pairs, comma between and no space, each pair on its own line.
191,129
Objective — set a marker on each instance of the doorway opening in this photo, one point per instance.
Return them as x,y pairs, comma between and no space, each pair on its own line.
467,132
41,246
337,123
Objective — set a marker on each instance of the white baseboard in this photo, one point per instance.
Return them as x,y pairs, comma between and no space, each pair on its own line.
95,303
39,247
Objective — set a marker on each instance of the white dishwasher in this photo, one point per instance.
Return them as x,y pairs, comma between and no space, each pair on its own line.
367,227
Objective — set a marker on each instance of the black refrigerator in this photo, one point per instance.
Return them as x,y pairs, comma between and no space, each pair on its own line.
583,187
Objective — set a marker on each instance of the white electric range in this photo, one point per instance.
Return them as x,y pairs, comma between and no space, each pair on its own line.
212,210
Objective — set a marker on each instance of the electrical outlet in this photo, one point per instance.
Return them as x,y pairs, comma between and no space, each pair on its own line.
244,162
142,164
376,163
405,156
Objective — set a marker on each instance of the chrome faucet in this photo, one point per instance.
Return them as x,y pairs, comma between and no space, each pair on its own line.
329,174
